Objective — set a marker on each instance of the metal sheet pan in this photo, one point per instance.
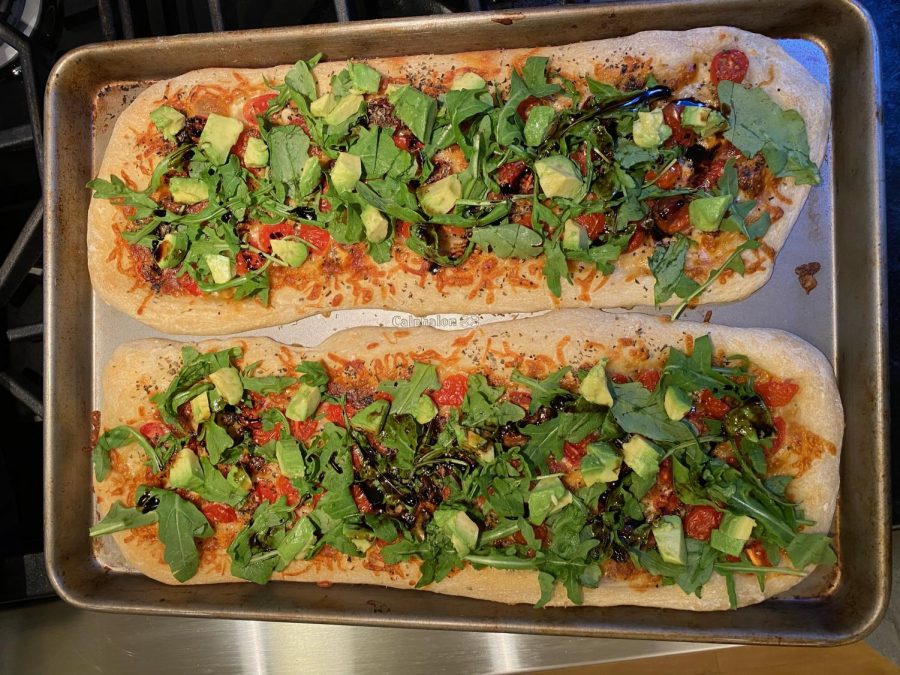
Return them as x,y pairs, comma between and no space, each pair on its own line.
841,227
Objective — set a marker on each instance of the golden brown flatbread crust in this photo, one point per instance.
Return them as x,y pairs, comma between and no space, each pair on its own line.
484,283
630,341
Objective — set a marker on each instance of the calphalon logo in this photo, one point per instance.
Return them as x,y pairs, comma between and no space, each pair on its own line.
434,321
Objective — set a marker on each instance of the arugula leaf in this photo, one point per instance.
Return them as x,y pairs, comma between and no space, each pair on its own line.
555,266
480,407
534,74
180,522
379,155
288,148
270,384
218,488
300,79
758,124
363,78
810,549
461,105
415,109
216,439
314,373
254,551
400,434
387,200
667,265
639,411
405,393
548,438
543,391
118,437
298,542
121,517
508,240
734,262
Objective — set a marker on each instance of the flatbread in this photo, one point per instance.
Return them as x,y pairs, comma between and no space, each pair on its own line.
811,451
484,283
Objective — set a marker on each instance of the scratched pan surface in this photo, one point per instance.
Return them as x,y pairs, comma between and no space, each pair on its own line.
841,227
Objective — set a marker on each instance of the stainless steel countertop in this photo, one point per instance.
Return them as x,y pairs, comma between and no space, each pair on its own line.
52,637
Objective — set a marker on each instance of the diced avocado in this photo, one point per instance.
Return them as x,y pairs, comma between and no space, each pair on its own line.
425,410
642,456
171,250
188,190
347,107
361,538
559,176
440,197
548,496
228,383
486,454
323,105
574,236
669,536
595,387
291,251
364,79
345,172
706,213
601,464
461,529
371,418
303,404
703,120
239,478
219,136
375,223
290,458
219,267
168,120
200,411
677,403
256,154
467,80
186,471
732,534
537,126
649,130
309,176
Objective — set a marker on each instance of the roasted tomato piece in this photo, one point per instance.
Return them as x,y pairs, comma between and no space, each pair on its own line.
700,521
729,64
776,393
452,391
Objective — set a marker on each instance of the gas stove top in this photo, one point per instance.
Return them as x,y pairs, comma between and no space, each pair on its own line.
33,34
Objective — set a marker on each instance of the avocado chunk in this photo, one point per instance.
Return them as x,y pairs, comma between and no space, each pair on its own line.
186,472
732,533
574,236
467,80
289,457
375,223
303,404
425,410
461,529
239,479
559,176
371,418
228,383
292,252
345,172
219,267
677,403
170,251
323,105
200,411
642,456
168,120
346,108
669,536
440,197
601,464
188,190
219,136
256,154
595,387
649,130
309,177
361,538
706,213
547,497
705,121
